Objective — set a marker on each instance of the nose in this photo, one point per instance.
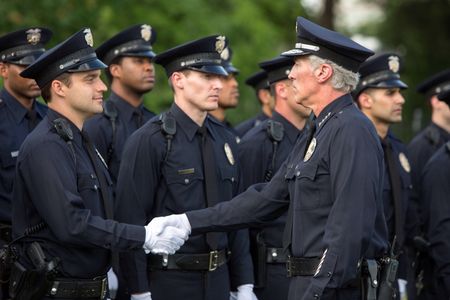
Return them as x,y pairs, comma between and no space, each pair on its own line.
291,74
400,98
102,86
217,83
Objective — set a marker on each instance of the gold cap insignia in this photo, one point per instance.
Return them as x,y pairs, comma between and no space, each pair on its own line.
220,44
33,36
404,162
225,55
394,63
310,151
88,37
229,153
146,32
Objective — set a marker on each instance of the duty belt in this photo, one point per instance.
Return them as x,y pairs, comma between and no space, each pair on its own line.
276,256
195,262
5,232
78,288
302,266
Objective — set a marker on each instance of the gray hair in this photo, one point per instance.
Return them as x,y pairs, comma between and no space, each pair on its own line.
342,80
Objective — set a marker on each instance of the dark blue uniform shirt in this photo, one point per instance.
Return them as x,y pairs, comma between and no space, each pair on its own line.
436,189
148,187
100,130
58,186
247,125
14,127
336,197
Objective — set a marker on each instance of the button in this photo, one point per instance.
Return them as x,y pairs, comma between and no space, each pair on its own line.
329,274
95,187
232,179
298,173
316,296
186,181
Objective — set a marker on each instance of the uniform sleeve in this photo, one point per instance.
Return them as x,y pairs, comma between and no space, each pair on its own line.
136,186
356,178
54,185
100,133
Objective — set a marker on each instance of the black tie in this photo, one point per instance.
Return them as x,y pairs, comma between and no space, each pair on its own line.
394,179
32,119
100,175
210,175
287,234
138,117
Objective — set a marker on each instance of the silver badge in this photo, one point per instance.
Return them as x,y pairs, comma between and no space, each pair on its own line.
220,44
146,32
225,55
310,151
404,162
229,153
394,63
33,36
88,37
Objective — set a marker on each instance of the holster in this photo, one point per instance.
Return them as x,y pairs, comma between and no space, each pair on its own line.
370,279
5,264
27,284
259,255
387,289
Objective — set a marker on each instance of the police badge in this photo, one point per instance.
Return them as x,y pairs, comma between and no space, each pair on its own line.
33,36
404,162
88,37
225,55
310,151
220,44
228,153
146,32
394,63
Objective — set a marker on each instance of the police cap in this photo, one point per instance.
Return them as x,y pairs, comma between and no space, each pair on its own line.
435,84
202,55
277,68
226,56
381,71
24,46
136,40
258,80
327,44
75,54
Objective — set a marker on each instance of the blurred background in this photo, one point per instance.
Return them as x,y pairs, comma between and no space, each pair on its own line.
419,30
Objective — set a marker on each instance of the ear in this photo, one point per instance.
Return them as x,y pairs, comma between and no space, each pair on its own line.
365,101
115,70
264,96
59,88
178,80
323,73
4,70
281,89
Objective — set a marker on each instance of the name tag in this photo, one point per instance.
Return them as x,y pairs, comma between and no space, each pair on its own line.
14,154
186,171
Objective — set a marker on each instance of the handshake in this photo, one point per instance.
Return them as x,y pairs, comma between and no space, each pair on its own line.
165,235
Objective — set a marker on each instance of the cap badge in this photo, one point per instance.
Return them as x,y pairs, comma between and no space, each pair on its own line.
404,162
394,63
225,55
228,153
88,37
310,151
33,36
220,44
146,32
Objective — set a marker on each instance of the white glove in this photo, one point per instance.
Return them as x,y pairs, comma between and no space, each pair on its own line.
244,292
165,235
144,296
113,283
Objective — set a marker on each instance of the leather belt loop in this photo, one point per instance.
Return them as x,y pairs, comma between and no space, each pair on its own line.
79,288
302,266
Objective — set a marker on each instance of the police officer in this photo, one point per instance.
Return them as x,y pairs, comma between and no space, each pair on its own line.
333,178
131,73
379,97
62,205
229,94
435,188
261,86
19,111
262,151
179,161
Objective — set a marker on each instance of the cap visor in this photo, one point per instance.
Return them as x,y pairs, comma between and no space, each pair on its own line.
149,54
94,64
211,69
295,52
392,83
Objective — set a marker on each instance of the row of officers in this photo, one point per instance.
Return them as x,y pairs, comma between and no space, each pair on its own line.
335,206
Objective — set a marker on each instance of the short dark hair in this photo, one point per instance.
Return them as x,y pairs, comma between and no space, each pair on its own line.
46,90
116,61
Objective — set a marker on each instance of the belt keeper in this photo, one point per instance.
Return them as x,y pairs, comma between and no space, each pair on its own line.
54,288
165,261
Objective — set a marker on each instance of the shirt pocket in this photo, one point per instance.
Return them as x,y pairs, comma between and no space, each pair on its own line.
8,158
227,186
306,187
88,186
185,188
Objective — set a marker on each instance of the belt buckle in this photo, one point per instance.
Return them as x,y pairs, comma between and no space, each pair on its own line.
104,287
288,266
213,260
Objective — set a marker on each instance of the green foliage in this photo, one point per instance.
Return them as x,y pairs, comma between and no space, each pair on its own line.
258,30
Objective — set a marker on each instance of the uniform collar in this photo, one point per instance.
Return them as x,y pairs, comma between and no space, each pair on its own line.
442,132
18,111
123,107
291,131
53,115
336,106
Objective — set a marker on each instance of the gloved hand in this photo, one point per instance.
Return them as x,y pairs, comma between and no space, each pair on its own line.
244,292
165,235
144,296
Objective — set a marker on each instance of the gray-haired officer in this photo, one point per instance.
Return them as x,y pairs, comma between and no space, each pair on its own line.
436,190
333,179
379,97
62,208
131,73
262,151
182,160
260,84
19,111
